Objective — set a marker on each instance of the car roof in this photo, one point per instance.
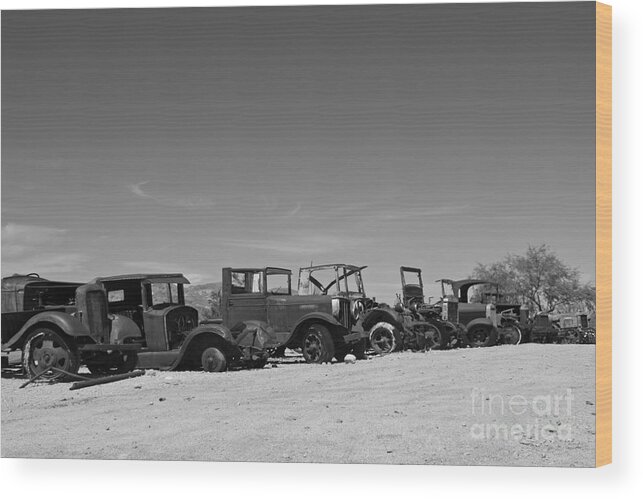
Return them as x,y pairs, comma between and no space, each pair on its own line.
332,266
18,282
465,282
260,269
178,278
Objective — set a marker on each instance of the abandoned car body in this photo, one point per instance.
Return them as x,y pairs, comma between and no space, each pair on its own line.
260,300
477,323
345,281
151,312
382,327
411,323
60,326
557,328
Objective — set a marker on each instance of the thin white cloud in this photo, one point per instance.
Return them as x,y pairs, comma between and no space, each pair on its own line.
170,198
138,189
294,211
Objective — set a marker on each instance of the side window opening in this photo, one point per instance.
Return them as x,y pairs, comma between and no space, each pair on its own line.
246,282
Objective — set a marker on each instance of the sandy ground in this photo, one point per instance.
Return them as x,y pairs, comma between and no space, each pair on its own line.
528,405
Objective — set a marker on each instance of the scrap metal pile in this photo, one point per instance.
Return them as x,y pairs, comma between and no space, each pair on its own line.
113,325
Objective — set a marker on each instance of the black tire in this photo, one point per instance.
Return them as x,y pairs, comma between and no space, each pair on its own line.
317,344
213,360
384,338
45,348
482,335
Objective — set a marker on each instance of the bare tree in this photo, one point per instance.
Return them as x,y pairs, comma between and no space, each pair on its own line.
540,280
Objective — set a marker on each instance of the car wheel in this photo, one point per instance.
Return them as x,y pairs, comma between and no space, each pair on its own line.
434,339
213,360
509,335
317,344
482,335
384,338
45,348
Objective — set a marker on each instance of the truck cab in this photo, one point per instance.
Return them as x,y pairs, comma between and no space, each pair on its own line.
262,298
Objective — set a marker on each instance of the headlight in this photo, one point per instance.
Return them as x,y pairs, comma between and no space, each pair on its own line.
358,310
335,307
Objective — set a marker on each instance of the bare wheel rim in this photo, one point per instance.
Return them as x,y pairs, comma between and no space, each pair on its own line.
313,346
383,340
48,350
432,337
511,335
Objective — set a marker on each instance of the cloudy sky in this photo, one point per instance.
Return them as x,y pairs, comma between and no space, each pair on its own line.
186,140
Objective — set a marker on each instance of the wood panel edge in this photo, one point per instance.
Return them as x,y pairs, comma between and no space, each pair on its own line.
603,234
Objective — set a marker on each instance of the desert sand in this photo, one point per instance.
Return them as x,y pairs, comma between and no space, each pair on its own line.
525,405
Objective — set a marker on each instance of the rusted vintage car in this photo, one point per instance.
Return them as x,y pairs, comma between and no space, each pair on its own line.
412,323
477,323
150,311
60,325
344,281
561,328
513,318
261,300
381,326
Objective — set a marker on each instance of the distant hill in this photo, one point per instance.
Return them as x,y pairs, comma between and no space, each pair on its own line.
198,296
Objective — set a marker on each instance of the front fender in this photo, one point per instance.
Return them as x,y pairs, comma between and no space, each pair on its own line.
218,329
65,322
122,329
376,315
204,336
317,316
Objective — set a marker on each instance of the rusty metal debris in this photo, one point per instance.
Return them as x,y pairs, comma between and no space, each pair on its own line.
105,380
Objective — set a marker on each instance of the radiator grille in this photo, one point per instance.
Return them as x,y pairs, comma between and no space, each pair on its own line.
345,314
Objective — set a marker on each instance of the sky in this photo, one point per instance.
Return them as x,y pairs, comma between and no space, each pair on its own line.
187,140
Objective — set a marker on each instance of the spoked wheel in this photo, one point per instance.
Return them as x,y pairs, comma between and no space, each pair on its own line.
317,345
45,348
510,335
481,336
431,338
384,338
213,360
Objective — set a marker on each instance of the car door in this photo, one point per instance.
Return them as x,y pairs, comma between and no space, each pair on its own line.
247,300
